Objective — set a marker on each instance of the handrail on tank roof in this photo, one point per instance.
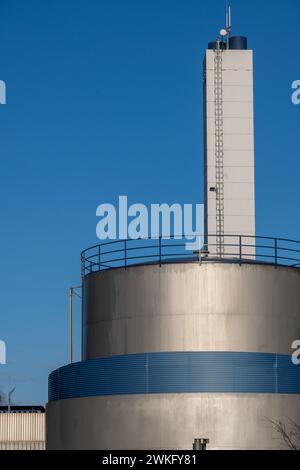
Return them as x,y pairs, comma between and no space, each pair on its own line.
241,249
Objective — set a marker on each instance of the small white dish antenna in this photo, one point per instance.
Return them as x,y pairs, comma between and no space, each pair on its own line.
223,32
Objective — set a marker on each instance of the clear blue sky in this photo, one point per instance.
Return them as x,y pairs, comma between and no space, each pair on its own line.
104,97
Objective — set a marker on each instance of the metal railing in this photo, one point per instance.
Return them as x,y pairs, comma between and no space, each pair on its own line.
161,250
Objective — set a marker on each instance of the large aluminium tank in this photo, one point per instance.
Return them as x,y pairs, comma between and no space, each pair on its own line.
181,350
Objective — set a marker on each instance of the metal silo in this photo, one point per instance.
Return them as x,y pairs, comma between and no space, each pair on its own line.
176,350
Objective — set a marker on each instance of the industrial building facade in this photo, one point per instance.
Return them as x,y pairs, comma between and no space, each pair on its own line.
22,428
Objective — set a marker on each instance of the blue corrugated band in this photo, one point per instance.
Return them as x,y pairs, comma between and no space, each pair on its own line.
176,372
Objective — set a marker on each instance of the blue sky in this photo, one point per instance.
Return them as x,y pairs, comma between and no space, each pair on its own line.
104,97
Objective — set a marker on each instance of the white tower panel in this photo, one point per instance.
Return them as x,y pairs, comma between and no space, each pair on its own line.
237,140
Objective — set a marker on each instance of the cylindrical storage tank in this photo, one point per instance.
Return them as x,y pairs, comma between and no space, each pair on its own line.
238,42
177,352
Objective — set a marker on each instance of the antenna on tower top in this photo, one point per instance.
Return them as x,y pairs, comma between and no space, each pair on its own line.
228,16
228,23
226,32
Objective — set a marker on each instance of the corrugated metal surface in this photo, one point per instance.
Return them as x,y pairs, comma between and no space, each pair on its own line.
22,431
177,372
22,445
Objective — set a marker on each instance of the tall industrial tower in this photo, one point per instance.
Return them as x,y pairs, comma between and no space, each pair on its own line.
228,140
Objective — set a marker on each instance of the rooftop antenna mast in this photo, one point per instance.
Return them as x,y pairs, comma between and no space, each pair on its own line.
226,32
228,24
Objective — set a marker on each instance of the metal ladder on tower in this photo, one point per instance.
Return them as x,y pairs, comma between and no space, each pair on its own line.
219,151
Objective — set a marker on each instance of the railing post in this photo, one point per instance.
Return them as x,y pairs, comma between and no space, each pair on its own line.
125,247
240,248
160,251
99,257
276,251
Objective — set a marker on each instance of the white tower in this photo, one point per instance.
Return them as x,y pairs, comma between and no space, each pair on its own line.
228,143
